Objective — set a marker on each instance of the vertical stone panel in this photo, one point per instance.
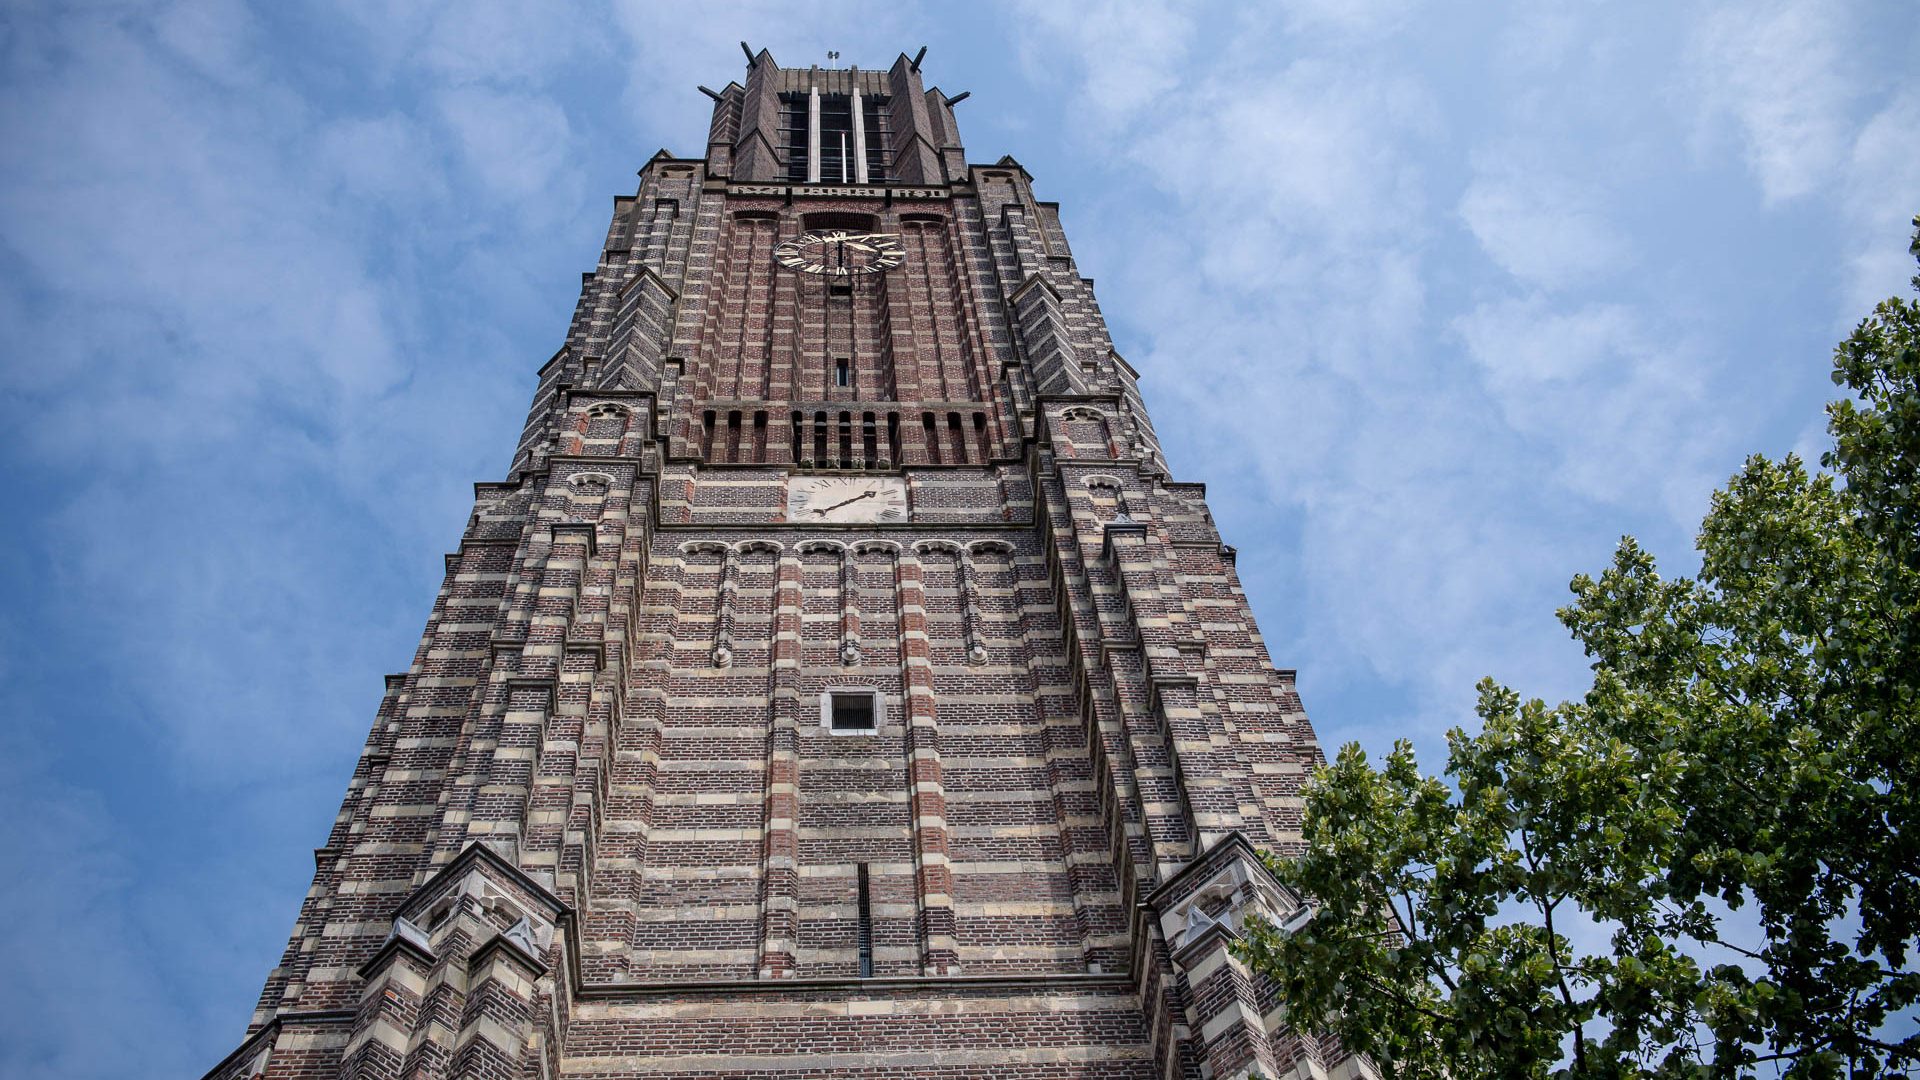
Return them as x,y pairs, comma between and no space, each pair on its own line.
925,786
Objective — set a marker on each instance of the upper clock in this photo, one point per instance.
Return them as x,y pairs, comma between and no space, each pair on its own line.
842,500
841,254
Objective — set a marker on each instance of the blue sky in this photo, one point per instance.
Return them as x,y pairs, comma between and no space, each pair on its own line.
1438,299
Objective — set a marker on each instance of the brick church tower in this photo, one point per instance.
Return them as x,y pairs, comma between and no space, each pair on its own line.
837,684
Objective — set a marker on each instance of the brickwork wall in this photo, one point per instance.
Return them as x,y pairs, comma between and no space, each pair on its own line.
614,725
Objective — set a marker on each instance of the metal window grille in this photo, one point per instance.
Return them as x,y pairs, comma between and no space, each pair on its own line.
864,940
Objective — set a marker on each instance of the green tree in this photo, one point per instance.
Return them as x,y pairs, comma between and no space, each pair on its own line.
1706,867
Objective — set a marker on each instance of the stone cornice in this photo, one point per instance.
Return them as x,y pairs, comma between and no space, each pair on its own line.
643,273
271,1029
1233,844
501,943
479,853
1111,981
396,944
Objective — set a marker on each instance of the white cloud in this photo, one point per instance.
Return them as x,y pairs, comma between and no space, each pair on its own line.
1619,412
1138,50
1537,38
217,37
1543,229
516,143
1778,71
1371,17
504,41
390,158
211,341
1882,194
70,939
1819,123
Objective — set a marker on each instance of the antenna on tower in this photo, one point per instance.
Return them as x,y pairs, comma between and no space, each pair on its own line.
833,56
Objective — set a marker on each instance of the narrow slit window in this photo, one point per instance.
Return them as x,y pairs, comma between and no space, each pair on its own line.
864,939
842,372
933,437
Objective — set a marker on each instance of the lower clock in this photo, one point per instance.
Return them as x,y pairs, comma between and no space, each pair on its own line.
842,500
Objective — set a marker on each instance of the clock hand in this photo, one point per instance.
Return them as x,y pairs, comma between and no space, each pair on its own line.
843,502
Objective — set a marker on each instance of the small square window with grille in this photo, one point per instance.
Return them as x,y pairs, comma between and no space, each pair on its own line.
851,712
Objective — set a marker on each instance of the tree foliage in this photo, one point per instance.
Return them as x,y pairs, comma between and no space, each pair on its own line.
1706,867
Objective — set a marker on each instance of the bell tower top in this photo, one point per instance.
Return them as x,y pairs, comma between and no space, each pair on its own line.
832,125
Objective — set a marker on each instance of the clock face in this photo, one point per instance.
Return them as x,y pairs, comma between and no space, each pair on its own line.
840,500
840,254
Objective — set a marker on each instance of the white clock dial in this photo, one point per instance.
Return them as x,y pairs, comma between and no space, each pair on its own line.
838,500
837,253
